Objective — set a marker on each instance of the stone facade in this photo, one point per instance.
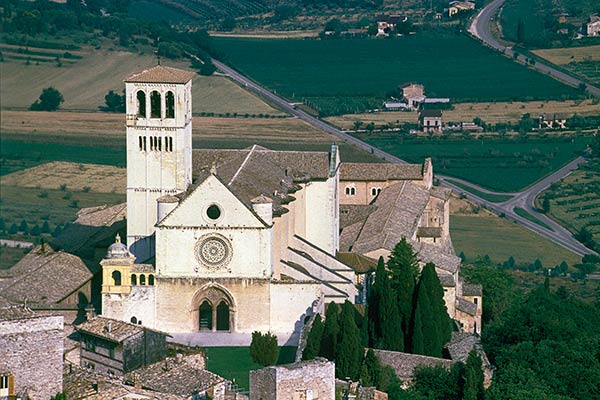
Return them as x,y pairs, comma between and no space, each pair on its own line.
306,380
31,350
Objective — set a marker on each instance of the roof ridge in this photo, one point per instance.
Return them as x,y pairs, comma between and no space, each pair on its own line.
242,165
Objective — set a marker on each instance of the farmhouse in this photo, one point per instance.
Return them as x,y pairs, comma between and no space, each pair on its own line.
456,7
592,26
552,121
430,121
388,23
221,243
413,94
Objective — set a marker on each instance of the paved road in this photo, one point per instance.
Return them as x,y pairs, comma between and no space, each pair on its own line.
480,28
561,236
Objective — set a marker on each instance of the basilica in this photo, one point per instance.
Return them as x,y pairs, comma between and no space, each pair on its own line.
226,242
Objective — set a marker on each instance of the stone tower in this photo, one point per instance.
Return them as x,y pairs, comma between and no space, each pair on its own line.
159,148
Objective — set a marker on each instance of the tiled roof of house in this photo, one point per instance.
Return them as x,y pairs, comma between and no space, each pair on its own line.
111,329
349,235
14,312
380,172
443,260
44,277
143,268
175,376
399,207
430,114
404,364
466,306
446,280
161,74
353,213
472,290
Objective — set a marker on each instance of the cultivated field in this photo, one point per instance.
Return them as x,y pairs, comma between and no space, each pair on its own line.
501,164
575,201
84,83
582,61
334,72
491,113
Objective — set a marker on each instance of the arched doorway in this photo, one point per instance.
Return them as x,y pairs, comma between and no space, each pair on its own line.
213,309
205,318
223,316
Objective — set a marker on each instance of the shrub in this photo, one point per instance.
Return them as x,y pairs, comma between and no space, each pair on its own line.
263,348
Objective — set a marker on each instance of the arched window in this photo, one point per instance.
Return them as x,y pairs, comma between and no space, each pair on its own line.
222,316
170,107
375,191
134,279
133,320
141,103
155,111
352,191
205,321
151,280
170,143
142,279
116,276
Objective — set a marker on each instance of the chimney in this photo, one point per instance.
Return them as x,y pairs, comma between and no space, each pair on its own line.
179,358
90,312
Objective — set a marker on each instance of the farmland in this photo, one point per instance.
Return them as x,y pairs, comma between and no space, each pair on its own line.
491,113
501,164
575,201
324,70
99,71
582,61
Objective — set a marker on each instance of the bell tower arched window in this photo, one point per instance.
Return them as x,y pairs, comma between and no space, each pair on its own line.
116,276
170,105
141,104
155,106
133,279
142,279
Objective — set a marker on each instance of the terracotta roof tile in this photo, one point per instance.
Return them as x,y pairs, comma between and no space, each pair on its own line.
466,306
161,74
469,289
111,329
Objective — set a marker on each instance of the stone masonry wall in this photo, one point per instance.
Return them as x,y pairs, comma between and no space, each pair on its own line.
32,350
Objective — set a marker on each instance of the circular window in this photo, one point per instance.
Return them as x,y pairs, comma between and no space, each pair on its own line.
213,212
213,251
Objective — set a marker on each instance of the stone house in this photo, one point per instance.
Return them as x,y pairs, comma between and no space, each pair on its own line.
49,281
430,121
413,94
552,121
456,7
31,353
116,347
592,26
305,380
386,24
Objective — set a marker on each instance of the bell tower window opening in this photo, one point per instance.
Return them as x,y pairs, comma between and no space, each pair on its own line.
140,142
141,104
116,276
155,106
133,320
170,105
142,279
151,280
170,143
159,143
144,143
133,279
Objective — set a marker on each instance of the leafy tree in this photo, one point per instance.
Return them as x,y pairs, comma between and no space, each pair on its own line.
585,269
263,348
436,383
313,340
585,237
538,264
331,330
228,24
13,229
498,289
57,231
49,100
349,350
24,227
114,102
473,379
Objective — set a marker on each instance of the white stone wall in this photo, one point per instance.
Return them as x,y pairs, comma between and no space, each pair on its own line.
322,218
290,303
139,303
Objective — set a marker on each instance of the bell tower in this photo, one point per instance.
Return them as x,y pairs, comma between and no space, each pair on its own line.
159,148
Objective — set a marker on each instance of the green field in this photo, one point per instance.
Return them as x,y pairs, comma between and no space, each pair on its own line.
494,198
504,165
525,214
575,200
235,363
478,236
448,65
9,256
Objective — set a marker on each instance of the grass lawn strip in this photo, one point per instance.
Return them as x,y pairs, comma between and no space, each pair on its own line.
494,198
523,213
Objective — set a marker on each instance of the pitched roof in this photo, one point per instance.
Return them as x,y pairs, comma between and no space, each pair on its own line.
353,213
359,263
440,192
399,207
112,329
161,74
466,306
444,259
429,232
472,290
380,172
446,280
177,377
45,277
430,113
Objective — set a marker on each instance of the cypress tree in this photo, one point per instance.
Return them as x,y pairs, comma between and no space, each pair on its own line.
404,268
473,381
431,338
313,340
373,301
417,332
390,319
349,350
331,330
365,379
373,368
435,292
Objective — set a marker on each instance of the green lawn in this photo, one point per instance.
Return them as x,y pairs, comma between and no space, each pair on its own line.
494,198
523,213
235,363
499,239
354,70
504,165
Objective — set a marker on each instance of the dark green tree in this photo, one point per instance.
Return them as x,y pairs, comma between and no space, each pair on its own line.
417,335
546,205
373,303
520,31
435,294
390,319
114,102
404,268
35,231
263,348
313,340
24,227
46,227
59,396
349,351
473,378
2,225
49,100
13,229
331,330
373,368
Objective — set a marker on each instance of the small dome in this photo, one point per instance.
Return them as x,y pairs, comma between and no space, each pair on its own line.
118,249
